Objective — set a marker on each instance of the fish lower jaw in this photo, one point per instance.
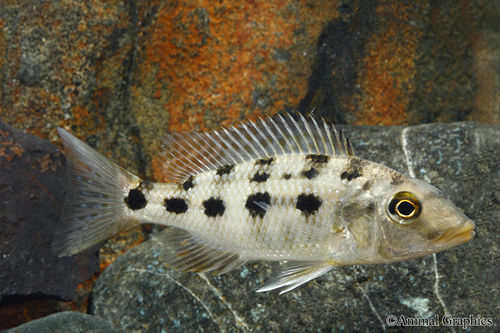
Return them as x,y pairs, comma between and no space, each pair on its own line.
455,236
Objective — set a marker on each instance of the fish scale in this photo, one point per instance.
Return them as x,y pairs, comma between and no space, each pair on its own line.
286,187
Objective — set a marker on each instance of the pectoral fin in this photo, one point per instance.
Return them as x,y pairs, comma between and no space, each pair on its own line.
296,273
292,219
183,251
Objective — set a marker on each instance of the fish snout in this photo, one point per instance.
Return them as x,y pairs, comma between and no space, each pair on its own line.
457,235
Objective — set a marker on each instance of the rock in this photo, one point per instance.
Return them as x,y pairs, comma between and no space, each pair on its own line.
32,182
137,292
63,322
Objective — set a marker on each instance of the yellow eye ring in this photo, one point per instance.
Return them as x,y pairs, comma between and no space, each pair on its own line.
404,208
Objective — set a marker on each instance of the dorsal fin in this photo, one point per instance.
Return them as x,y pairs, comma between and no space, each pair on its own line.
181,155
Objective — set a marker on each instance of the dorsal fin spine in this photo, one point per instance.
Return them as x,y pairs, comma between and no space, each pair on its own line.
176,159
339,144
308,129
209,160
349,148
218,155
322,136
290,132
344,142
181,153
169,158
288,143
234,151
255,139
237,143
210,135
254,124
199,169
266,126
328,133
244,139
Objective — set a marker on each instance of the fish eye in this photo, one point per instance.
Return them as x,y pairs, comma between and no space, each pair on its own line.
404,208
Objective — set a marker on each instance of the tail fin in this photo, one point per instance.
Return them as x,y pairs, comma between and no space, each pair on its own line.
94,209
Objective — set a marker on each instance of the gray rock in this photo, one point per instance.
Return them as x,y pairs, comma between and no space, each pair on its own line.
138,293
64,322
32,183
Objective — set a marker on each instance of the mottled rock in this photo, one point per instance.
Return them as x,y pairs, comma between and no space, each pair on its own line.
32,182
137,292
63,322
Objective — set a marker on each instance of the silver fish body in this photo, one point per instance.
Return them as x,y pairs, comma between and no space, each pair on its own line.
282,188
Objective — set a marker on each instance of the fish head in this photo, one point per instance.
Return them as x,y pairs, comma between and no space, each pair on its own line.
417,219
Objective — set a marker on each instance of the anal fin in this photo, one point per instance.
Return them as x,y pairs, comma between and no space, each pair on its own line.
295,274
183,251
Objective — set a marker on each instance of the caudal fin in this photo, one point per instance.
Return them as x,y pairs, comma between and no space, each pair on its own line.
94,209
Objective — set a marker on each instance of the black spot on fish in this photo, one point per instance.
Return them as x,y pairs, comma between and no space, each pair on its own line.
225,170
265,161
254,209
176,205
308,203
214,207
354,170
311,173
135,199
287,176
260,177
397,178
188,183
350,175
317,158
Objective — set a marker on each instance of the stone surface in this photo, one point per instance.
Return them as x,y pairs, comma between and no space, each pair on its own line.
64,322
137,292
32,181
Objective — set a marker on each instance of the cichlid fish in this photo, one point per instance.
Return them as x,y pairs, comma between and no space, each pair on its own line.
285,188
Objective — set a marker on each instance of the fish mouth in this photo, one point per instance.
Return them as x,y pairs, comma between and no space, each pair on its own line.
456,236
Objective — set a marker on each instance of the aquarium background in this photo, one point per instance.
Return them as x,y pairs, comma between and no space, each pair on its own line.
118,74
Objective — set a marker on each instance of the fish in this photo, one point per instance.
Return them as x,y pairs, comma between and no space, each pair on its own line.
287,187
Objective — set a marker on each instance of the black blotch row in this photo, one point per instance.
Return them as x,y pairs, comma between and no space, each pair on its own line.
260,177
265,161
136,199
188,183
318,158
254,209
176,205
308,203
214,207
311,173
287,176
225,170
353,171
